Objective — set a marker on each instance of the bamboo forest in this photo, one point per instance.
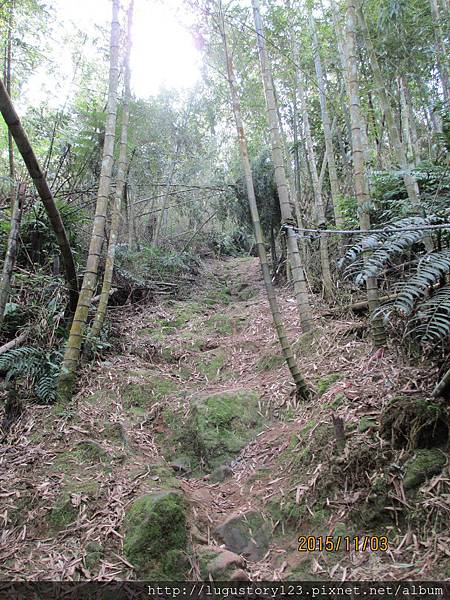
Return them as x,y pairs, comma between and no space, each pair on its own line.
224,298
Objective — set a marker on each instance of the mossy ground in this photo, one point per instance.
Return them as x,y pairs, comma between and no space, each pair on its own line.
150,389
324,384
269,361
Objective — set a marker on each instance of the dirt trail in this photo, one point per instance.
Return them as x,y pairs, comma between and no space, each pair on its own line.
69,475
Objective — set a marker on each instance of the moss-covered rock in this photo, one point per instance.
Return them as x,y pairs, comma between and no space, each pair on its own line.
217,563
303,572
92,451
220,324
63,512
337,401
245,292
247,534
305,343
373,513
156,536
211,363
409,422
217,428
72,494
424,464
221,473
284,509
115,432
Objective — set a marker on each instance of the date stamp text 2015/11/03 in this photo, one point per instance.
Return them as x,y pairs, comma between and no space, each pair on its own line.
330,543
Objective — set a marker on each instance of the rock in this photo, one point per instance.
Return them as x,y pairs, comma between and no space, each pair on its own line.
222,563
373,513
247,294
221,473
156,536
217,427
239,575
216,562
423,465
197,535
247,534
180,466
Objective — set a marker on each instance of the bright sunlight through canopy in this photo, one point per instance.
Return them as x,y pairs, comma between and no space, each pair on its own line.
163,53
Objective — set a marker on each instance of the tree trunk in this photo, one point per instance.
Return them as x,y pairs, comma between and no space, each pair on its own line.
298,276
8,68
343,56
378,332
74,343
30,160
443,386
386,107
328,287
406,123
295,206
11,251
327,130
120,185
412,121
302,389
159,221
441,52
131,219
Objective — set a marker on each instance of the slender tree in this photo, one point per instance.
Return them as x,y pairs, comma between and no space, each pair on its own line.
120,185
160,218
441,51
343,56
326,125
20,137
11,249
298,276
405,114
8,84
378,332
317,191
302,389
74,343
393,131
443,386
131,218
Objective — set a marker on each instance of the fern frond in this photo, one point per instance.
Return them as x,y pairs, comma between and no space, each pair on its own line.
386,245
431,323
431,269
19,361
39,369
45,388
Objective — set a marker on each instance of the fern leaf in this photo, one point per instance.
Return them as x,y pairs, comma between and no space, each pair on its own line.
431,269
386,245
431,323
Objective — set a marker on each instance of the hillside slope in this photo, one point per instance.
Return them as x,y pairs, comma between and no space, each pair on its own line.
186,454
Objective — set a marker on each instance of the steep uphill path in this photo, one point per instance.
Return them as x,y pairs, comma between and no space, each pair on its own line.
186,454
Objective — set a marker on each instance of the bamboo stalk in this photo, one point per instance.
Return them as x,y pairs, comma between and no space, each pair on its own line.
302,388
